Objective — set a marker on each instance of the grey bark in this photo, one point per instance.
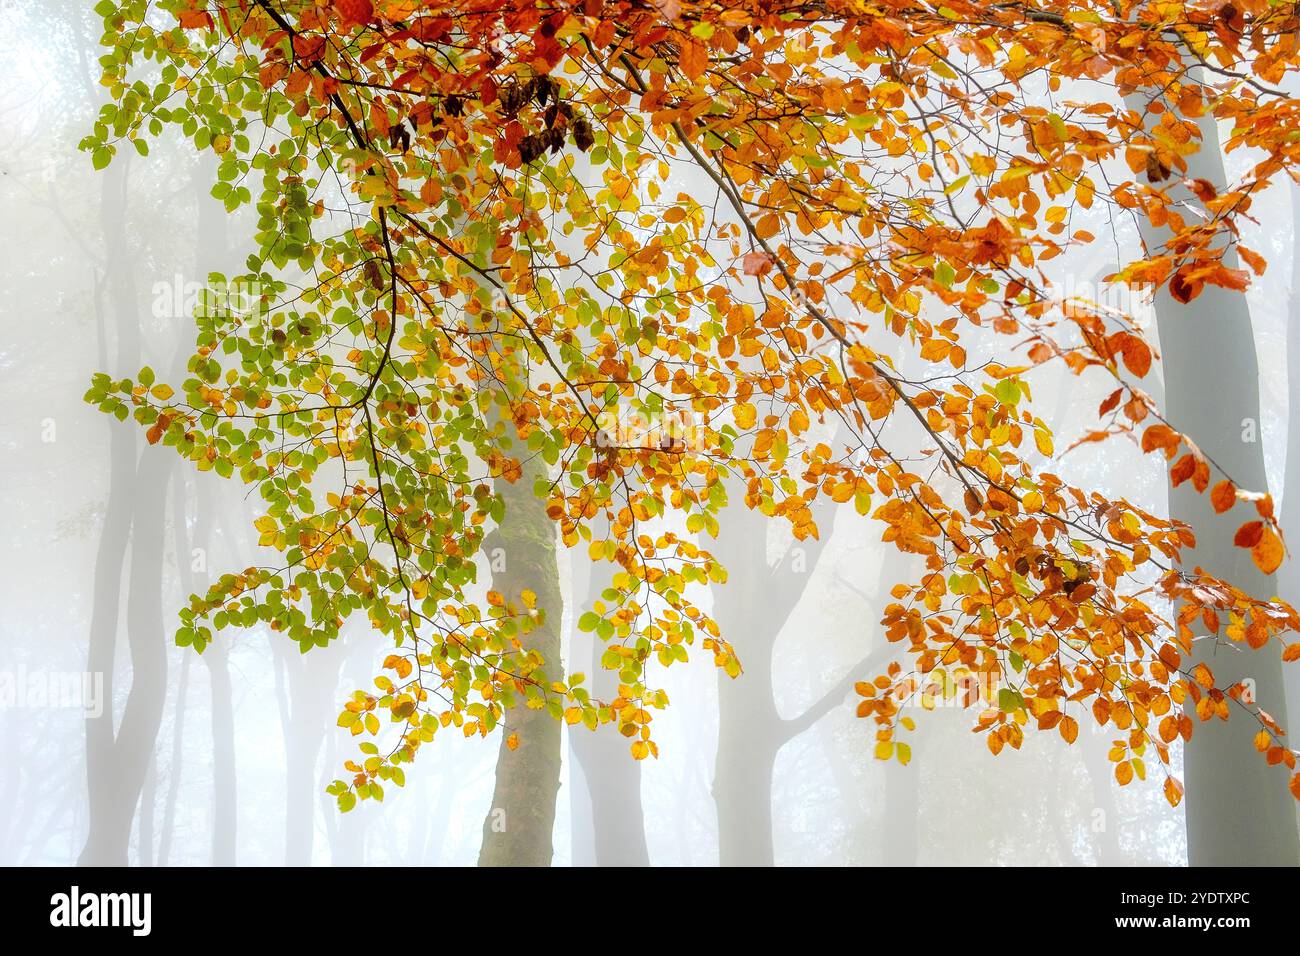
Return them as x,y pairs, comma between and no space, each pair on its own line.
611,778
1238,809
518,827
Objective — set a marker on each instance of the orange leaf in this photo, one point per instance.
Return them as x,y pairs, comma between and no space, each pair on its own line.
1268,552
1223,496
756,263
694,59
1069,729
1173,791
1162,437
1136,355
195,19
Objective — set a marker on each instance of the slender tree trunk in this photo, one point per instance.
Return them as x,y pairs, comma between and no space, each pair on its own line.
900,836
748,723
751,612
148,803
518,827
137,736
612,778
1238,808
1289,576
177,763
111,554
117,786
742,782
305,716
1099,771
225,798
211,254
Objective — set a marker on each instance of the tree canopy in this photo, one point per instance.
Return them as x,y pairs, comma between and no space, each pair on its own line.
697,255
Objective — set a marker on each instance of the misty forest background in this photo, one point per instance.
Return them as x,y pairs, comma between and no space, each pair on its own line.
223,758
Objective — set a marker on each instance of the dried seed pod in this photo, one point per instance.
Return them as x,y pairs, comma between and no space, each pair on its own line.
399,137
582,135
530,147
1156,170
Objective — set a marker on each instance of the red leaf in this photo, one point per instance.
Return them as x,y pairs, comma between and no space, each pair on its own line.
1111,402
1183,289
1248,534
354,12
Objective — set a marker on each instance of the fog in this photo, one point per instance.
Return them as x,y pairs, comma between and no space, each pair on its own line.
105,536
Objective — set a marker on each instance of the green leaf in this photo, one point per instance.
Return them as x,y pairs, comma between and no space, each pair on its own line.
944,274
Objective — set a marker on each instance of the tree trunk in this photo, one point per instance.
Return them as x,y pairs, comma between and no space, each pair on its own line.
168,830
611,777
742,781
900,837
517,829
225,798
211,254
1238,808
1289,577
306,715
748,723
111,554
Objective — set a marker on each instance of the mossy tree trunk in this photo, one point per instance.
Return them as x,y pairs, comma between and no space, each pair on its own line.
522,554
